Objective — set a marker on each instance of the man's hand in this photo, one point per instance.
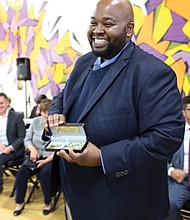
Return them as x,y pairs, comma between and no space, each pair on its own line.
2,147
7,150
178,175
90,157
53,120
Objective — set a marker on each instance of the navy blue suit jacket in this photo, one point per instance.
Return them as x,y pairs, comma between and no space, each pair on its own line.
133,116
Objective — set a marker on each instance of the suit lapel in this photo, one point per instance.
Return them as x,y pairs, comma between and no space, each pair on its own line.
178,157
112,73
181,155
75,91
10,121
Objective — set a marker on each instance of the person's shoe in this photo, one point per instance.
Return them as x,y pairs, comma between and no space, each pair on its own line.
18,212
47,211
1,188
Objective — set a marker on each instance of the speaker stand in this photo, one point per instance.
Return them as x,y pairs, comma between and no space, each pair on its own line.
27,101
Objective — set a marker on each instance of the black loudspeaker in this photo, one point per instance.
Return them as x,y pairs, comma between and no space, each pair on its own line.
23,69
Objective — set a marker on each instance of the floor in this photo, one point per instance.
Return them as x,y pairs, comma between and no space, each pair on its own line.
32,211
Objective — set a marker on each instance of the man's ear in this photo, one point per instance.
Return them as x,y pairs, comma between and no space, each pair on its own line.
130,29
183,112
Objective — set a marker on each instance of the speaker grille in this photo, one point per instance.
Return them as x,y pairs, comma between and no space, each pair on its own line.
23,69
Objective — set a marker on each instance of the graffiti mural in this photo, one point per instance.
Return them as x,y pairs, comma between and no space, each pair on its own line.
51,61
161,28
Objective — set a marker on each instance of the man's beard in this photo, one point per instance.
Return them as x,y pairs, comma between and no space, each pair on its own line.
113,48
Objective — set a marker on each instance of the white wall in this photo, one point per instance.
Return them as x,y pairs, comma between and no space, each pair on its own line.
75,17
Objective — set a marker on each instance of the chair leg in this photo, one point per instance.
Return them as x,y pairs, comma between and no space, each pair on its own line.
13,191
12,167
35,185
6,173
56,198
13,170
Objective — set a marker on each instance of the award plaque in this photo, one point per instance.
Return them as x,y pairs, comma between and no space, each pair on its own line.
67,136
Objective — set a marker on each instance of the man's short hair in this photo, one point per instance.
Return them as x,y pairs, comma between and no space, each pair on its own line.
4,95
185,101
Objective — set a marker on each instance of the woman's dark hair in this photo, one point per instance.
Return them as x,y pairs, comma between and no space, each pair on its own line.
40,98
45,105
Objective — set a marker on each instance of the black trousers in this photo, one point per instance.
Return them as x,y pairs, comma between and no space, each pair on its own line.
25,173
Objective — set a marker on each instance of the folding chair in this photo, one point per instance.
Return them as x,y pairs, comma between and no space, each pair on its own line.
185,211
34,186
56,199
13,166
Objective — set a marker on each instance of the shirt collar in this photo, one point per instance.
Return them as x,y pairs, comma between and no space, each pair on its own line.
187,126
108,61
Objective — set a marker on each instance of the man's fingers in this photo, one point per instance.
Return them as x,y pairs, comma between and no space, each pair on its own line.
61,119
56,119
65,155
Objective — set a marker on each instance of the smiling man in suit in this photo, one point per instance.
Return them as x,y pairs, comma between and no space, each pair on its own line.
12,133
130,105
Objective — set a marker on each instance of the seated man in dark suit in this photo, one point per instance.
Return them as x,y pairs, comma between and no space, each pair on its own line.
178,170
12,133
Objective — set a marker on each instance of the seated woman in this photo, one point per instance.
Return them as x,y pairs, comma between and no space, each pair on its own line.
36,109
35,145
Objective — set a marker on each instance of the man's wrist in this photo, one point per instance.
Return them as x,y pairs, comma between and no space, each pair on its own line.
12,148
170,171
